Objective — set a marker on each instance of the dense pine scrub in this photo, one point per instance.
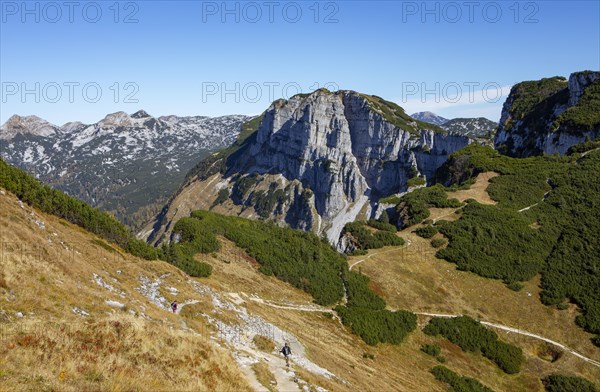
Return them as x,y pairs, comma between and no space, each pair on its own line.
51,201
384,235
556,236
457,382
471,336
562,383
301,259
427,231
378,326
381,225
414,207
495,243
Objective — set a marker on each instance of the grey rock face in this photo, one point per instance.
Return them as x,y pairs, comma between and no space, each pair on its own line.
344,151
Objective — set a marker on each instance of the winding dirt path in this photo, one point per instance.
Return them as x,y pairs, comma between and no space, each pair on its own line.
316,308
521,332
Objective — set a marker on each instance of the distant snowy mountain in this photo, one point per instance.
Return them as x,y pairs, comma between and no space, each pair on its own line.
429,117
479,127
127,164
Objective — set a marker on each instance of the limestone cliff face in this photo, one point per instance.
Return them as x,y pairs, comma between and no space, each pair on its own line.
550,115
321,160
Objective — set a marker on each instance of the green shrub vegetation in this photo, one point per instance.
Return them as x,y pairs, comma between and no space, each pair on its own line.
515,286
265,202
384,218
222,196
415,181
457,382
301,259
438,242
431,349
562,383
471,336
414,207
393,199
359,295
513,251
376,224
426,231
585,115
378,326
558,237
365,239
528,95
49,200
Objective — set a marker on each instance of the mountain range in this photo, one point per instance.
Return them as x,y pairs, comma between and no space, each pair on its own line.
126,164
490,264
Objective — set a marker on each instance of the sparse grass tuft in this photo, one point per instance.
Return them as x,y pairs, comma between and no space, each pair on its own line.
263,343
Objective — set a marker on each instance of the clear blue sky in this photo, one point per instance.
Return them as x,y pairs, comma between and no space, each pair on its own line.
174,51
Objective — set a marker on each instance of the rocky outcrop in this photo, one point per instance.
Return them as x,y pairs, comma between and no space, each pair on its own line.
334,155
578,82
550,115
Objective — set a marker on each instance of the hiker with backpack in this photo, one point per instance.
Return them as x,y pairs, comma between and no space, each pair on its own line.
174,306
286,351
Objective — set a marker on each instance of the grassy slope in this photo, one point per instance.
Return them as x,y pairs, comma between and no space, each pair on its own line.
47,273
413,278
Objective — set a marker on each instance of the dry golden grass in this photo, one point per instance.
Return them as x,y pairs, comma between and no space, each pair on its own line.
263,343
264,376
119,352
45,345
477,191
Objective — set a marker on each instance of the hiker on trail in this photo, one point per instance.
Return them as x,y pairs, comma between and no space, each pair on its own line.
286,351
174,306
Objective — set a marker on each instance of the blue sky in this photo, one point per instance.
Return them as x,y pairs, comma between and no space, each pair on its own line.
179,57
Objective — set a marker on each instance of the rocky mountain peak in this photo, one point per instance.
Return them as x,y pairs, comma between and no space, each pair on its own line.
72,126
318,161
140,114
117,119
429,117
32,125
